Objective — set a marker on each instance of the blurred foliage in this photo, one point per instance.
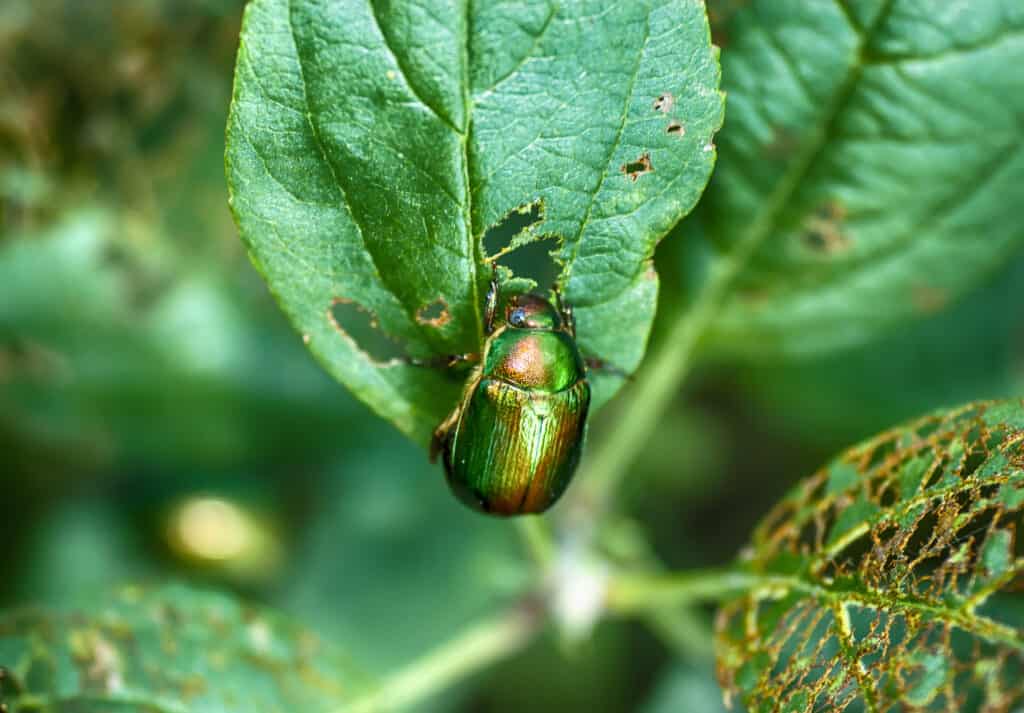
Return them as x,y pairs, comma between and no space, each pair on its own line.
143,367
148,650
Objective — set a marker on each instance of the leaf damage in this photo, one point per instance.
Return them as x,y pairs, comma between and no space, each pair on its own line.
434,314
896,564
664,103
361,328
640,167
168,649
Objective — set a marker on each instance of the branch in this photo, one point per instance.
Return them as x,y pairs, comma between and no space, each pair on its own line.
471,652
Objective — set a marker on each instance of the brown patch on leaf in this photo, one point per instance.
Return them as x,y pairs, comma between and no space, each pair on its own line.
928,299
823,231
634,169
664,103
756,297
783,146
435,313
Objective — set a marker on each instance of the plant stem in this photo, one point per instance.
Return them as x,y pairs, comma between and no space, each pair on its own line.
538,540
659,381
633,594
476,649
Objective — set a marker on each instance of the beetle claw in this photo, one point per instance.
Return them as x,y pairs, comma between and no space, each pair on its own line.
596,364
444,361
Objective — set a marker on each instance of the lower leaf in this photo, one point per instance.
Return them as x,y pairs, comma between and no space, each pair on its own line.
168,650
893,576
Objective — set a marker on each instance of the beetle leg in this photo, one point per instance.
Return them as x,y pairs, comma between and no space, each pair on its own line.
596,364
491,306
565,310
441,433
570,319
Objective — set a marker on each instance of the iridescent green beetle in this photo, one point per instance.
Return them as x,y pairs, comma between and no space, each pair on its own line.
513,442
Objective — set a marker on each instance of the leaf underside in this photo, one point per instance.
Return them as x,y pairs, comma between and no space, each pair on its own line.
171,650
875,150
371,145
894,570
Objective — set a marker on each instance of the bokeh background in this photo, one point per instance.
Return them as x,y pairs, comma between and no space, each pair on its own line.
159,418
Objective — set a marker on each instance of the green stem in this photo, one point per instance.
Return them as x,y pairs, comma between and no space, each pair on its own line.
642,593
538,540
659,381
484,644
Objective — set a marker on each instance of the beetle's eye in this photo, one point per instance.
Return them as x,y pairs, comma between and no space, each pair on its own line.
518,317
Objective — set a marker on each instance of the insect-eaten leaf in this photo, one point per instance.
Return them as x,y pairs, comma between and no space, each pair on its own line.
893,577
371,146
168,649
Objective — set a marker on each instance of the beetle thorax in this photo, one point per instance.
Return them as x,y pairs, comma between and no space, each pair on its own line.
533,359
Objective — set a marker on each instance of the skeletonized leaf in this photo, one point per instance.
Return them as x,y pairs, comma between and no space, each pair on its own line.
172,650
893,577
372,144
875,151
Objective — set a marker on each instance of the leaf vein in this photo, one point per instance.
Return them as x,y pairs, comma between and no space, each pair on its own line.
318,140
578,238
406,72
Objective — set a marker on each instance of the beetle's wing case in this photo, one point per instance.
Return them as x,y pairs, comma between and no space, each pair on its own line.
514,451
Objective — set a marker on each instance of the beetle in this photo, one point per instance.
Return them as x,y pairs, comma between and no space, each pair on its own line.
512,443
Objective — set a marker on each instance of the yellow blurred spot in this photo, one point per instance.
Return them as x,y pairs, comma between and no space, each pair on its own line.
213,529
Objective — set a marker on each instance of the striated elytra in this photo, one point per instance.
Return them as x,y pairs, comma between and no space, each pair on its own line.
514,440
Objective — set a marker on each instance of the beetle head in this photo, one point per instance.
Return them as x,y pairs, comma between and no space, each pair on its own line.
532,312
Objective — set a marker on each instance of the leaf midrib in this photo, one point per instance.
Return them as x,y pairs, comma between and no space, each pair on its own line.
578,238
321,147
975,624
765,222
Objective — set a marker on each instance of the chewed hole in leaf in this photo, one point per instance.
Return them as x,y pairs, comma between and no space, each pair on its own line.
435,314
360,326
510,231
919,594
535,261
664,103
635,169
516,244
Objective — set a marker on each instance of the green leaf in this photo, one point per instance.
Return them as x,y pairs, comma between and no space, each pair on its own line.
873,155
971,351
168,650
908,604
372,144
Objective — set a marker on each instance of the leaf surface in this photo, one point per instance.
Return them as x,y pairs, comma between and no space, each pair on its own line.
372,144
892,577
874,150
